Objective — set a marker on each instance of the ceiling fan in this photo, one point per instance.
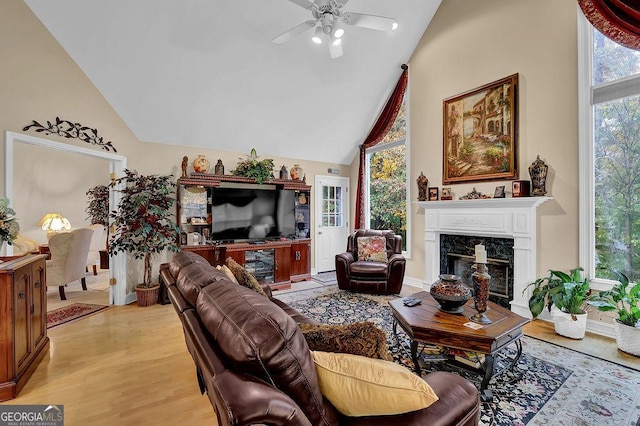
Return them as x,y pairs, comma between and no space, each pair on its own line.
329,21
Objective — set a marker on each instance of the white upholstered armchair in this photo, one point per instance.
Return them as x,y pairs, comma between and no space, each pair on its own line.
98,242
69,251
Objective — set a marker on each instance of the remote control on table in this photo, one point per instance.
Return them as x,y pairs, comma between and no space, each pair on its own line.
411,301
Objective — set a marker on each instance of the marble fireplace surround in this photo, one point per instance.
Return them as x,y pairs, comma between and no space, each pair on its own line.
496,217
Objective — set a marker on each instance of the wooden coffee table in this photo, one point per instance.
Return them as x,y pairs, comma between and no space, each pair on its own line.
425,323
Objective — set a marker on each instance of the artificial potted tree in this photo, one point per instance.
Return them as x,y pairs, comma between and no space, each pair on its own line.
98,205
565,296
98,214
624,301
142,224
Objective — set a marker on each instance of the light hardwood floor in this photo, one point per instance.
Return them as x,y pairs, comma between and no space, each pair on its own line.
123,366
592,344
97,292
130,366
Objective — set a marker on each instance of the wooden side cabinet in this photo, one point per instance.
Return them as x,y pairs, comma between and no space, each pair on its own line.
281,273
215,255
300,260
23,321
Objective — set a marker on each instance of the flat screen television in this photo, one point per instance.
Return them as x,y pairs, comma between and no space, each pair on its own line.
252,214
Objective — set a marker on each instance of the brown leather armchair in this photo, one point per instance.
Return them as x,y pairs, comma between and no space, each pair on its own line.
367,276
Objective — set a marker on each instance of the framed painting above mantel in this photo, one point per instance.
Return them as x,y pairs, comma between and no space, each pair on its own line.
480,133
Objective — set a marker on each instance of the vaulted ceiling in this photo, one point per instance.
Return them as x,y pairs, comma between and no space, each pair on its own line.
205,73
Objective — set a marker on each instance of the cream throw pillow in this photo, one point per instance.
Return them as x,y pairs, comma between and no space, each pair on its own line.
360,386
227,272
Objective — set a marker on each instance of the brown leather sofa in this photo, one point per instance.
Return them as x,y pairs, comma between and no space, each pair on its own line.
371,277
254,363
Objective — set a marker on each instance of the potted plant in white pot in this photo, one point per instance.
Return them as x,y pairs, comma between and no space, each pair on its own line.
142,225
568,295
625,302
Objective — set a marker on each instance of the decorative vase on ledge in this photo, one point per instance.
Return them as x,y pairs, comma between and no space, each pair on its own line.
219,169
283,172
201,164
296,172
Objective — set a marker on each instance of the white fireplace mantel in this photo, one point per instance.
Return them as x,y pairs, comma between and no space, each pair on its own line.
495,217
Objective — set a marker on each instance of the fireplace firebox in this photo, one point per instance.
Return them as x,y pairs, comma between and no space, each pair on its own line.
456,257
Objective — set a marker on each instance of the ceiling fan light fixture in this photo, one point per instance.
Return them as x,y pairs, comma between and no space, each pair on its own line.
317,36
326,22
394,26
338,31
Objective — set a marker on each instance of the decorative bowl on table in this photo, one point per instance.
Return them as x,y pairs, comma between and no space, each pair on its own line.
450,293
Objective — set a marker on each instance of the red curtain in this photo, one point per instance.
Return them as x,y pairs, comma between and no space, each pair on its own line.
617,19
378,132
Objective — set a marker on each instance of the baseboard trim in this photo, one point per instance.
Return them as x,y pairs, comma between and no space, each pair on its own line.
414,282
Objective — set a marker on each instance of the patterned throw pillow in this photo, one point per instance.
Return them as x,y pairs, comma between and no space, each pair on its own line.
361,338
372,249
244,277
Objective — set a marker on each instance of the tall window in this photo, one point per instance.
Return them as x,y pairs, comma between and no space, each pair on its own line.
387,175
610,155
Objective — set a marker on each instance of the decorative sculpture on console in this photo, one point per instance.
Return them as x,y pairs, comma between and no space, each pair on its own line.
474,195
185,162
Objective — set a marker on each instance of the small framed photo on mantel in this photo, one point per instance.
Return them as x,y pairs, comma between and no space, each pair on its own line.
446,194
433,193
520,188
499,192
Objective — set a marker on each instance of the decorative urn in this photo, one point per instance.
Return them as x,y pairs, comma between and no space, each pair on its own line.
451,293
296,172
538,172
201,164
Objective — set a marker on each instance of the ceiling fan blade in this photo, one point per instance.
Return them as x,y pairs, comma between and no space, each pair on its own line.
303,3
286,36
335,50
380,23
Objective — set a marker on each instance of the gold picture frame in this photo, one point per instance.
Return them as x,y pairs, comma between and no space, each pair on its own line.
480,133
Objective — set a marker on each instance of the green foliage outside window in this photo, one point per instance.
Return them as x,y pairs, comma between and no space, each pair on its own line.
388,182
617,165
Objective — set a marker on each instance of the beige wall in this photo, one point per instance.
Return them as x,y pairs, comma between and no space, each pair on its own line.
468,44
39,81
471,43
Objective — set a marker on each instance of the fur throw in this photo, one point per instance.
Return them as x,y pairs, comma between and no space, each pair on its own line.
362,338
245,278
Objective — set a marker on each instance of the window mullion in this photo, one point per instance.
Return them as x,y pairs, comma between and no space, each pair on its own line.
585,148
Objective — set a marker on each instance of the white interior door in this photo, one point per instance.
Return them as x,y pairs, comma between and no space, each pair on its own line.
332,220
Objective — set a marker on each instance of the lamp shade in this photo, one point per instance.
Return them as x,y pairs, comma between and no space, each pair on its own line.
54,222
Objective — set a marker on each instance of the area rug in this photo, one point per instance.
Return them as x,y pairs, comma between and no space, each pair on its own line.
72,312
552,385
325,277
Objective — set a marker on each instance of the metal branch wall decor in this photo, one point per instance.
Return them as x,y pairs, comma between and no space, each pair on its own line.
72,130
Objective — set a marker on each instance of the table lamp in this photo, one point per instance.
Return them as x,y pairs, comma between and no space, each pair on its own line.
54,223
